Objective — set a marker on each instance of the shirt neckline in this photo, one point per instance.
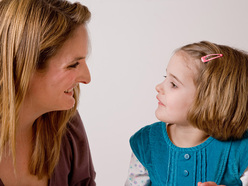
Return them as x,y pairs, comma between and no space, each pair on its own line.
195,148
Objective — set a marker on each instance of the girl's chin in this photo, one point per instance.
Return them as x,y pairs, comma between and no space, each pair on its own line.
160,115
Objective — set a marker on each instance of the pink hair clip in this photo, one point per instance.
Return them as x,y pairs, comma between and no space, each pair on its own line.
210,57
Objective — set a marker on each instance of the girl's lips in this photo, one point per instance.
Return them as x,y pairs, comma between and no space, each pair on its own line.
159,102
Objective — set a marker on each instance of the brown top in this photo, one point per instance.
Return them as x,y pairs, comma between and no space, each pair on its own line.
75,167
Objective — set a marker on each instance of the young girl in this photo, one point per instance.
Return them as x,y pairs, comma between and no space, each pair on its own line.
202,138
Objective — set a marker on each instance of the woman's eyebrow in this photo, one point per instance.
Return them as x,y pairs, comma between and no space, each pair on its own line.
77,59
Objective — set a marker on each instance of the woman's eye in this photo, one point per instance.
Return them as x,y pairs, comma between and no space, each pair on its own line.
165,76
74,65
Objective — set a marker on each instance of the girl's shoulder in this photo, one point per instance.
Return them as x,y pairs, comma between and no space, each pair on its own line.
241,143
141,140
147,129
143,134
238,153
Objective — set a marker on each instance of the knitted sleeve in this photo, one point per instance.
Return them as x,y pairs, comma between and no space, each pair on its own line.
139,143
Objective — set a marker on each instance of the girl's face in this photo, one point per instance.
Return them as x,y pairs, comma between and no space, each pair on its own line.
176,93
53,89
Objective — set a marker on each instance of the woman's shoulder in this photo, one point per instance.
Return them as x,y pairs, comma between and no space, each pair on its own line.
74,141
75,164
75,129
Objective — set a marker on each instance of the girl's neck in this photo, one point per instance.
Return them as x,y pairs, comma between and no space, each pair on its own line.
185,136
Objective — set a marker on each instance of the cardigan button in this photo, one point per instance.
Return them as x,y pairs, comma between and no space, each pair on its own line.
185,173
187,156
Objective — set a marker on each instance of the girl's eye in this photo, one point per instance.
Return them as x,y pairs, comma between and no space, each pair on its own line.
74,65
173,85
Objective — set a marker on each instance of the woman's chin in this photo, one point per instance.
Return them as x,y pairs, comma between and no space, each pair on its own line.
69,105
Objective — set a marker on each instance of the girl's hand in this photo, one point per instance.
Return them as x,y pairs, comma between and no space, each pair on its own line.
209,183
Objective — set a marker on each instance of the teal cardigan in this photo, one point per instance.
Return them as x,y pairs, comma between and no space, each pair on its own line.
222,162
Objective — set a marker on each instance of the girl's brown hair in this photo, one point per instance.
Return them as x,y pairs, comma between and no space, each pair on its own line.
221,102
31,32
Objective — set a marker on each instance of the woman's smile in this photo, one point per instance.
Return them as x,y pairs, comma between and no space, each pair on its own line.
69,92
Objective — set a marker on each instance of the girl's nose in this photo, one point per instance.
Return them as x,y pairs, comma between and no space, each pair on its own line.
84,74
159,88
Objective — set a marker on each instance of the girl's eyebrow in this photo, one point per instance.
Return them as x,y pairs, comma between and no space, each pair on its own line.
176,78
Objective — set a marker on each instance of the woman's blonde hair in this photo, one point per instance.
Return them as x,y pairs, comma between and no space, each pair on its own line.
31,32
221,102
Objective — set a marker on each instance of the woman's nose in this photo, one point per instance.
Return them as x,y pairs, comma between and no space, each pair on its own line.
84,74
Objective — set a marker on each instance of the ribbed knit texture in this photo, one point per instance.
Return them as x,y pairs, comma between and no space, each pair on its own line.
167,164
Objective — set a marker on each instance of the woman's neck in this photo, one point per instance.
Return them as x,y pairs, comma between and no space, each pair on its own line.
185,136
26,119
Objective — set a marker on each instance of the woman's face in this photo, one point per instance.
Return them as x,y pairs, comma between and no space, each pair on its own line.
53,89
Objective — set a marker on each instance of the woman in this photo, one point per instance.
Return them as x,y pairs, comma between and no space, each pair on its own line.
43,48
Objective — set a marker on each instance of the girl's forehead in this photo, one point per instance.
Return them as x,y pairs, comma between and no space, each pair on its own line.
190,62
182,65
187,59
182,59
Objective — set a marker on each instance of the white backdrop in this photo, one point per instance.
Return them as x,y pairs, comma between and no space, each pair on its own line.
132,42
